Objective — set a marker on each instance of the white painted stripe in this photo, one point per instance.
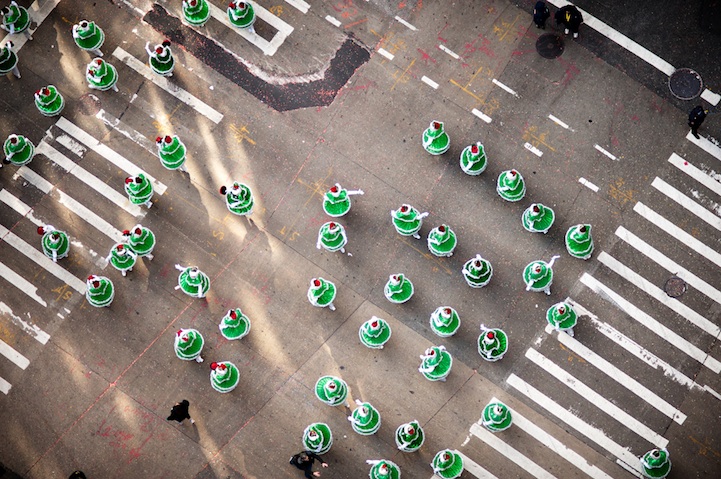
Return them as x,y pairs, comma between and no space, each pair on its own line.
474,468
449,51
333,20
481,115
555,445
654,326
429,82
687,203
15,203
619,376
677,233
669,265
707,146
70,203
596,399
558,122
9,352
110,155
4,386
267,47
130,133
510,452
41,336
41,260
605,152
92,181
533,149
195,103
400,20
497,83
299,4
72,145
386,53
587,183
712,392
711,97
657,293
38,14
698,175
592,433
21,283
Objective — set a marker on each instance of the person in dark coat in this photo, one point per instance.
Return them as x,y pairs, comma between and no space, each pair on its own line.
304,461
77,475
695,118
541,14
571,19
180,412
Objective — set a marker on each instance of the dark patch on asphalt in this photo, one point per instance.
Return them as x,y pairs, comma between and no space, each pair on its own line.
291,96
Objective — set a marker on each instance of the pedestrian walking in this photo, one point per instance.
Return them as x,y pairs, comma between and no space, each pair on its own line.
304,461
180,413
540,15
571,19
77,475
695,118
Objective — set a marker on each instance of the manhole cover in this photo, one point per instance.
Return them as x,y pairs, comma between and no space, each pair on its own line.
685,84
89,104
675,287
550,45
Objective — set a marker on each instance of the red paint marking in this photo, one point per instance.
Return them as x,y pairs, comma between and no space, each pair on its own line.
402,4
439,34
614,140
635,118
355,23
425,57
571,71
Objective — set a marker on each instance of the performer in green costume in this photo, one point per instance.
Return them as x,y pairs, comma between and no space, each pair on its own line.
189,344
398,289
410,436
192,281
383,469
365,419
538,218
139,190
336,201
579,242
101,75
241,15
16,19
56,244
445,321
100,291
477,272
656,463
234,325
447,464
331,390
161,59
224,376
408,221
496,417
332,237
196,12
140,240
442,241
538,275
121,258
436,363
492,343
89,37
562,317
9,60
435,139
171,152
317,438
473,159
375,333
321,293
49,101
18,150
238,199
511,186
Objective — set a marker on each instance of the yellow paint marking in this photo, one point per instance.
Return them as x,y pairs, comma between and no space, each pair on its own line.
276,10
505,27
532,136
617,192
241,133
402,77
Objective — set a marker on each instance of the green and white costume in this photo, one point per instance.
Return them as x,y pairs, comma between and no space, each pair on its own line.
492,343
383,469
234,325
496,417
9,60
538,218
477,272
161,59
374,333
442,241
192,281
445,321
122,258
538,275
435,139
321,293
365,419
196,12
408,221
49,101
171,152
410,436
336,201
317,438
331,390
332,237
139,190
562,317
473,159
101,75
224,376
511,186
16,19
656,463
18,150
238,198
100,291
398,289
89,37
579,242
140,240
241,15
189,344
436,363
55,243
447,464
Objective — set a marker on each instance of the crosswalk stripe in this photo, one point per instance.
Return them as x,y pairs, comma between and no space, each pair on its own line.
21,283
555,445
91,180
473,467
705,145
656,293
624,455
677,233
15,357
596,399
107,153
130,133
698,175
299,4
619,376
510,452
4,386
15,203
41,260
687,203
671,266
267,47
70,203
195,103
654,326
33,330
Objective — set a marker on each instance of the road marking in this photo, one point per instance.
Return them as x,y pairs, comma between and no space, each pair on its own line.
677,233
70,203
72,145
41,336
598,147
14,356
496,82
38,14
533,149
130,133
449,51
510,452
588,184
92,181
299,4
429,82
659,295
558,122
41,260
706,145
333,20
110,155
596,399
21,283
386,53
654,326
267,47
596,435
400,20
15,203
698,175
710,96
687,203
4,386
481,115
472,467
619,376
195,103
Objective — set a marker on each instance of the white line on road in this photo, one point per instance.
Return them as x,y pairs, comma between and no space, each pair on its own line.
474,468
510,452
15,203
429,82
710,96
501,85
605,152
9,352
687,203
706,145
677,233
4,386
403,22
588,184
533,149
130,133
38,14
333,20
481,115
299,4
619,376
654,326
267,47
110,155
195,103
21,283
592,433
449,51
41,336
558,122
386,53
698,175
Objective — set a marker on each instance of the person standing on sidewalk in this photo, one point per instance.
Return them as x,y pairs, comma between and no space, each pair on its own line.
304,461
540,15
571,19
180,412
695,118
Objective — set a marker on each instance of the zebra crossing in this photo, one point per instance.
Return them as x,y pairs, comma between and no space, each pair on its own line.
621,389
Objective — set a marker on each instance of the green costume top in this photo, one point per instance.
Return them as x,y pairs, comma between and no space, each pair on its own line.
579,242
562,317
241,14
192,281
101,75
317,438
492,343
410,436
445,321
435,139
8,58
121,258
477,272
442,241
224,376
538,218
238,198
336,201
161,59
656,463
188,344
332,237
384,469
374,333
538,276
496,417
18,150
15,18
447,464
55,243
398,289
473,159
139,189
365,419
140,240
321,293
408,221
100,291
49,101
88,35
234,325
171,151
511,186
331,390
196,12
436,363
